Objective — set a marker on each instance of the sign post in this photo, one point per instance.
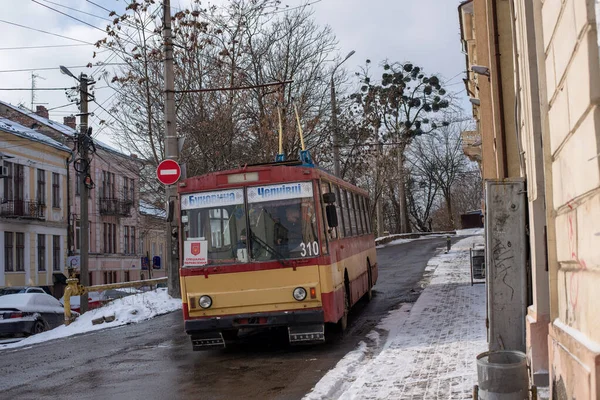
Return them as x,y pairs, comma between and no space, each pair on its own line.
168,172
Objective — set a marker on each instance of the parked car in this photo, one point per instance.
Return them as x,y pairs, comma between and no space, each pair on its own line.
24,314
95,300
21,289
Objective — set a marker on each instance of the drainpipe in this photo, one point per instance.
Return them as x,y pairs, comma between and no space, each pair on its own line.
500,92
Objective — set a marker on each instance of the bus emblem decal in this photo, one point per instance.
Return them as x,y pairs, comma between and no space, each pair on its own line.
195,249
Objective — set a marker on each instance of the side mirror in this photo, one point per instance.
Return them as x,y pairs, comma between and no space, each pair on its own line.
332,219
329,198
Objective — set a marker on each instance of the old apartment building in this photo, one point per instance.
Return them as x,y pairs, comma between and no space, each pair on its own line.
115,234
534,81
33,207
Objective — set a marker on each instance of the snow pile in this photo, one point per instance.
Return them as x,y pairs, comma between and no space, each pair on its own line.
127,310
431,348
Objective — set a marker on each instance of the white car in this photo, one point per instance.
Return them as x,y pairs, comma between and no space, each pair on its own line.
25,314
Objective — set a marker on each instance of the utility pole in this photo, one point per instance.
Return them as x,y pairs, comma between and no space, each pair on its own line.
84,142
171,152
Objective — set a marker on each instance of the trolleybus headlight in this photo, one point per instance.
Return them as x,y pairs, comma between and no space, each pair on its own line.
205,301
299,293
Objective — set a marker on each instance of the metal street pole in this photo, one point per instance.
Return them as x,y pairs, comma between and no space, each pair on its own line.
171,152
334,124
84,198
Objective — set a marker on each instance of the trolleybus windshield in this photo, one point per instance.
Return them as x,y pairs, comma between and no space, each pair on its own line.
214,225
283,222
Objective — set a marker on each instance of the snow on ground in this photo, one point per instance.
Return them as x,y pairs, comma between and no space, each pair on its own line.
468,232
395,242
431,348
127,310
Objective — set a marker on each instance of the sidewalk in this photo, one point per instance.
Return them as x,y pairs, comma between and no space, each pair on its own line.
430,348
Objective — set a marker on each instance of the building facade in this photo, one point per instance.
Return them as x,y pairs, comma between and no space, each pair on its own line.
113,203
33,207
542,57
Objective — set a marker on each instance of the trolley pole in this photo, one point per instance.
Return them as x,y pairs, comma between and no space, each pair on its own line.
84,142
171,152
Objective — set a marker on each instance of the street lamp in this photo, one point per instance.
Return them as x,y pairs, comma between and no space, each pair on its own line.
336,150
65,71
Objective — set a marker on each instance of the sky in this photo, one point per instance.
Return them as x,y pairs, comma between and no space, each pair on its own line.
425,32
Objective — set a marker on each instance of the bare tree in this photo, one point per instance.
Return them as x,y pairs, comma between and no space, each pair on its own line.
407,103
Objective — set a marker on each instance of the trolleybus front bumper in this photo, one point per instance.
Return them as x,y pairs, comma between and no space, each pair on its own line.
255,320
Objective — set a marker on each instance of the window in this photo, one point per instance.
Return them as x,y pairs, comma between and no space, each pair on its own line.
131,189
132,241
8,182
55,190
359,214
77,183
56,253
345,214
126,276
338,208
8,252
330,233
108,185
368,214
41,186
352,212
363,214
18,181
128,188
126,241
41,256
110,238
20,247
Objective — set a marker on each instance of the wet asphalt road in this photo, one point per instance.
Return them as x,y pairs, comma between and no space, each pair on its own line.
153,359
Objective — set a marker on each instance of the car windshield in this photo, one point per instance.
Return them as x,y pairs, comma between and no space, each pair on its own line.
4,291
283,222
214,228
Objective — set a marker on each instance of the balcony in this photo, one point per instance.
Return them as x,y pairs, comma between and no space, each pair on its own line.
22,209
121,208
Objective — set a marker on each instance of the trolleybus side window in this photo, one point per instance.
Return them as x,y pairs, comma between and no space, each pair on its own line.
363,214
330,233
368,214
346,214
358,210
352,210
338,207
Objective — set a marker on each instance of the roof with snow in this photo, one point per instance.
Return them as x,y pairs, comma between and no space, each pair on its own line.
151,210
64,129
9,126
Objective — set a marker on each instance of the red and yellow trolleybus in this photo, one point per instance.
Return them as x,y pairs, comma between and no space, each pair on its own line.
274,245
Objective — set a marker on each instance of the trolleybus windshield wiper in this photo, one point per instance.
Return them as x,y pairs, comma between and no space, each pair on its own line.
280,257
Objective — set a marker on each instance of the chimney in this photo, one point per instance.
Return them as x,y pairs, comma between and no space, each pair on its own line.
134,156
70,121
41,111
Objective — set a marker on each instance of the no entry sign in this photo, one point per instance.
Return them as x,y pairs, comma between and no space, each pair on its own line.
168,172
